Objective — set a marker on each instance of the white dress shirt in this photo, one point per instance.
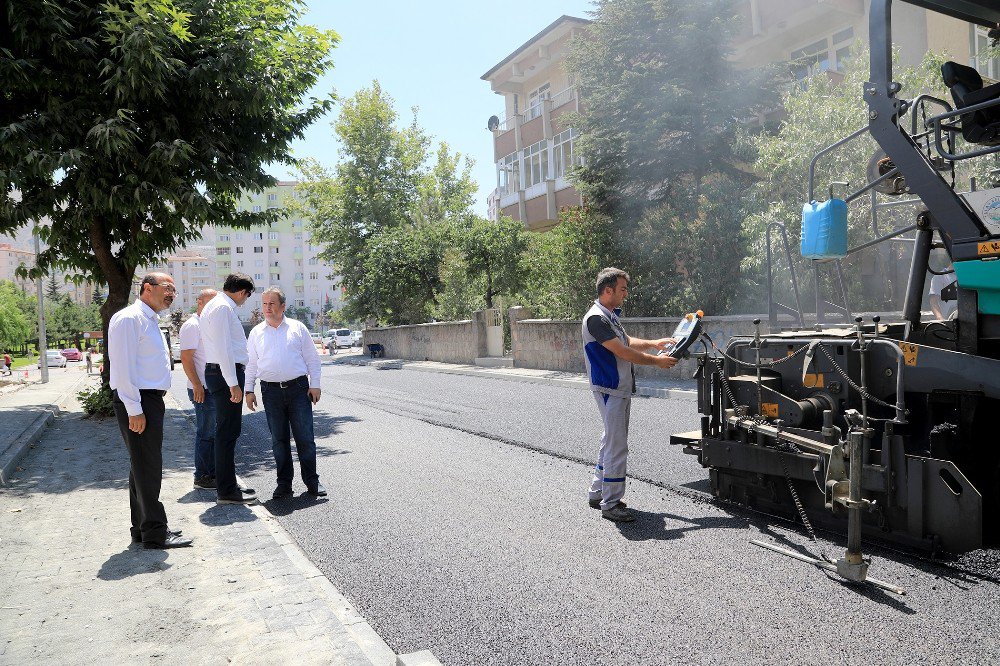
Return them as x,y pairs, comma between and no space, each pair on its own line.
281,353
223,337
138,354
191,339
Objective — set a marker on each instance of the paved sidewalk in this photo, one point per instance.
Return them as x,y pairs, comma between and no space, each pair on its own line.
74,590
683,389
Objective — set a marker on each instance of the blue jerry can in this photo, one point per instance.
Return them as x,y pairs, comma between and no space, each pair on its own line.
824,230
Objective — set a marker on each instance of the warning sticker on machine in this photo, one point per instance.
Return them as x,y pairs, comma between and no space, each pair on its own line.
989,247
813,380
770,409
909,353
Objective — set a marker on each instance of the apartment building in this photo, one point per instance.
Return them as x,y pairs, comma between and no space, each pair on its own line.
533,148
11,258
192,269
280,255
533,145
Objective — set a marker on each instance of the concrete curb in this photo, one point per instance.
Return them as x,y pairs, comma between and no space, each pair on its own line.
642,391
31,434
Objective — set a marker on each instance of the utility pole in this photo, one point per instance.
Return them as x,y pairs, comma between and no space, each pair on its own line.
43,361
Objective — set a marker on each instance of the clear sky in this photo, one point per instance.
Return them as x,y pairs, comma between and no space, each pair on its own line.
429,55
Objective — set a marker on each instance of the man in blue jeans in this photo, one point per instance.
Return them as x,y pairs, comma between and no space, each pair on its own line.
225,362
283,356
193,362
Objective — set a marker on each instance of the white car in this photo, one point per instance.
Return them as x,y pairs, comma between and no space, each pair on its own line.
54,359
357,335
341,338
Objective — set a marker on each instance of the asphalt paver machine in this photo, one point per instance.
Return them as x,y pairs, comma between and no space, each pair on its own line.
888,429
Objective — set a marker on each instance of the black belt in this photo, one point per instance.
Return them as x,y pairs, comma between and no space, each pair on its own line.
216,366
284,384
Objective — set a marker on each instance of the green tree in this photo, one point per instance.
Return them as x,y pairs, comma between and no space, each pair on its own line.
494,255
663,108
302,314
51,288
132,124
97,298
15,328
385,213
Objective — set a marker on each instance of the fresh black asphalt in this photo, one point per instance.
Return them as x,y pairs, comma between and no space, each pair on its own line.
457,521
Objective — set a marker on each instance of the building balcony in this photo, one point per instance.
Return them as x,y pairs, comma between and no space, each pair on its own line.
298,283
274,243
274,270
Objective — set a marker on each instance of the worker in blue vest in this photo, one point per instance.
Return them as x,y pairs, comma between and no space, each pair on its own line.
610,356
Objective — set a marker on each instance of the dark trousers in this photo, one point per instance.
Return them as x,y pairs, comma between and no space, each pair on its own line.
287,409
228,425
145,450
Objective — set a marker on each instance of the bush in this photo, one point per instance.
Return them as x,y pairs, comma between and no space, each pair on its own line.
97,400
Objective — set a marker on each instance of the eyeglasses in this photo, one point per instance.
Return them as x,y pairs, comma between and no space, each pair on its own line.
169,288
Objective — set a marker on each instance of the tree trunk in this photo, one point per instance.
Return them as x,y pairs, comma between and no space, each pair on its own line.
119,278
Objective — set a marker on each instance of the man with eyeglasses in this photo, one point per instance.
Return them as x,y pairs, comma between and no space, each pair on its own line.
225,366
140,377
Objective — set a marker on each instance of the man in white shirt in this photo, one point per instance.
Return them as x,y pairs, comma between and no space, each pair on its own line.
225,363
140,377
941,308
193,362
283,356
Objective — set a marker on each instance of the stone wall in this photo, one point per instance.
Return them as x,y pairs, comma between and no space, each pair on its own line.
447,342
554,344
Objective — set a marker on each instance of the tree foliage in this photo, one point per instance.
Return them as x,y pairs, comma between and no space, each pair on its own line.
657,140
386,212
129,125
15,328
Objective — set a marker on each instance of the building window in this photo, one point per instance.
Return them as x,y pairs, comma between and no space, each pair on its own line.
239,250
277,250
225,250
298,276
508,174
274,263
535,98
563,157
258,263
223,237
239,264
298,235
258,249
258,276
536,163
297,224
313,261
272,235
987,66
277,276
238,237
256,209
272,197
314,276
259,235
829,53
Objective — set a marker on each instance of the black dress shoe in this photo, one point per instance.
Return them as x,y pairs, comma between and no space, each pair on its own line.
318,490
282,492
236,499
247,491
136,539
172,541
205,482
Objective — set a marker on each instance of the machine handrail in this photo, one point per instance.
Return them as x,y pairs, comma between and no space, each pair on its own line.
832,146
937,123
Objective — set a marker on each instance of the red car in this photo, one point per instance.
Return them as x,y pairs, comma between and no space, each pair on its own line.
72,354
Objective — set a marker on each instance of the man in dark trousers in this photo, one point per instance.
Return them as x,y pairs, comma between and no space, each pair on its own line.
225,367
284,358
140,377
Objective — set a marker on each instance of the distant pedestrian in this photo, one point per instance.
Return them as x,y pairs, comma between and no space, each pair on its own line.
90,359
226,358
610,355
7,364
193,362
282,355
140,377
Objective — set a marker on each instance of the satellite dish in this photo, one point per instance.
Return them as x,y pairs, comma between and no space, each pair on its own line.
493,124
878,166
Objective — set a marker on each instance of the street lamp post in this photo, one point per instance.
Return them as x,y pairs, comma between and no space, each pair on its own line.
43,361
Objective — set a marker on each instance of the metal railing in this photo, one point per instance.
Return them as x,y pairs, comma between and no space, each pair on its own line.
563,97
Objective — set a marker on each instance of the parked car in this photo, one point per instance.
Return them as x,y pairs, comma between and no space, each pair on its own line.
342,338
357,338
72,354
54,359
175,351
